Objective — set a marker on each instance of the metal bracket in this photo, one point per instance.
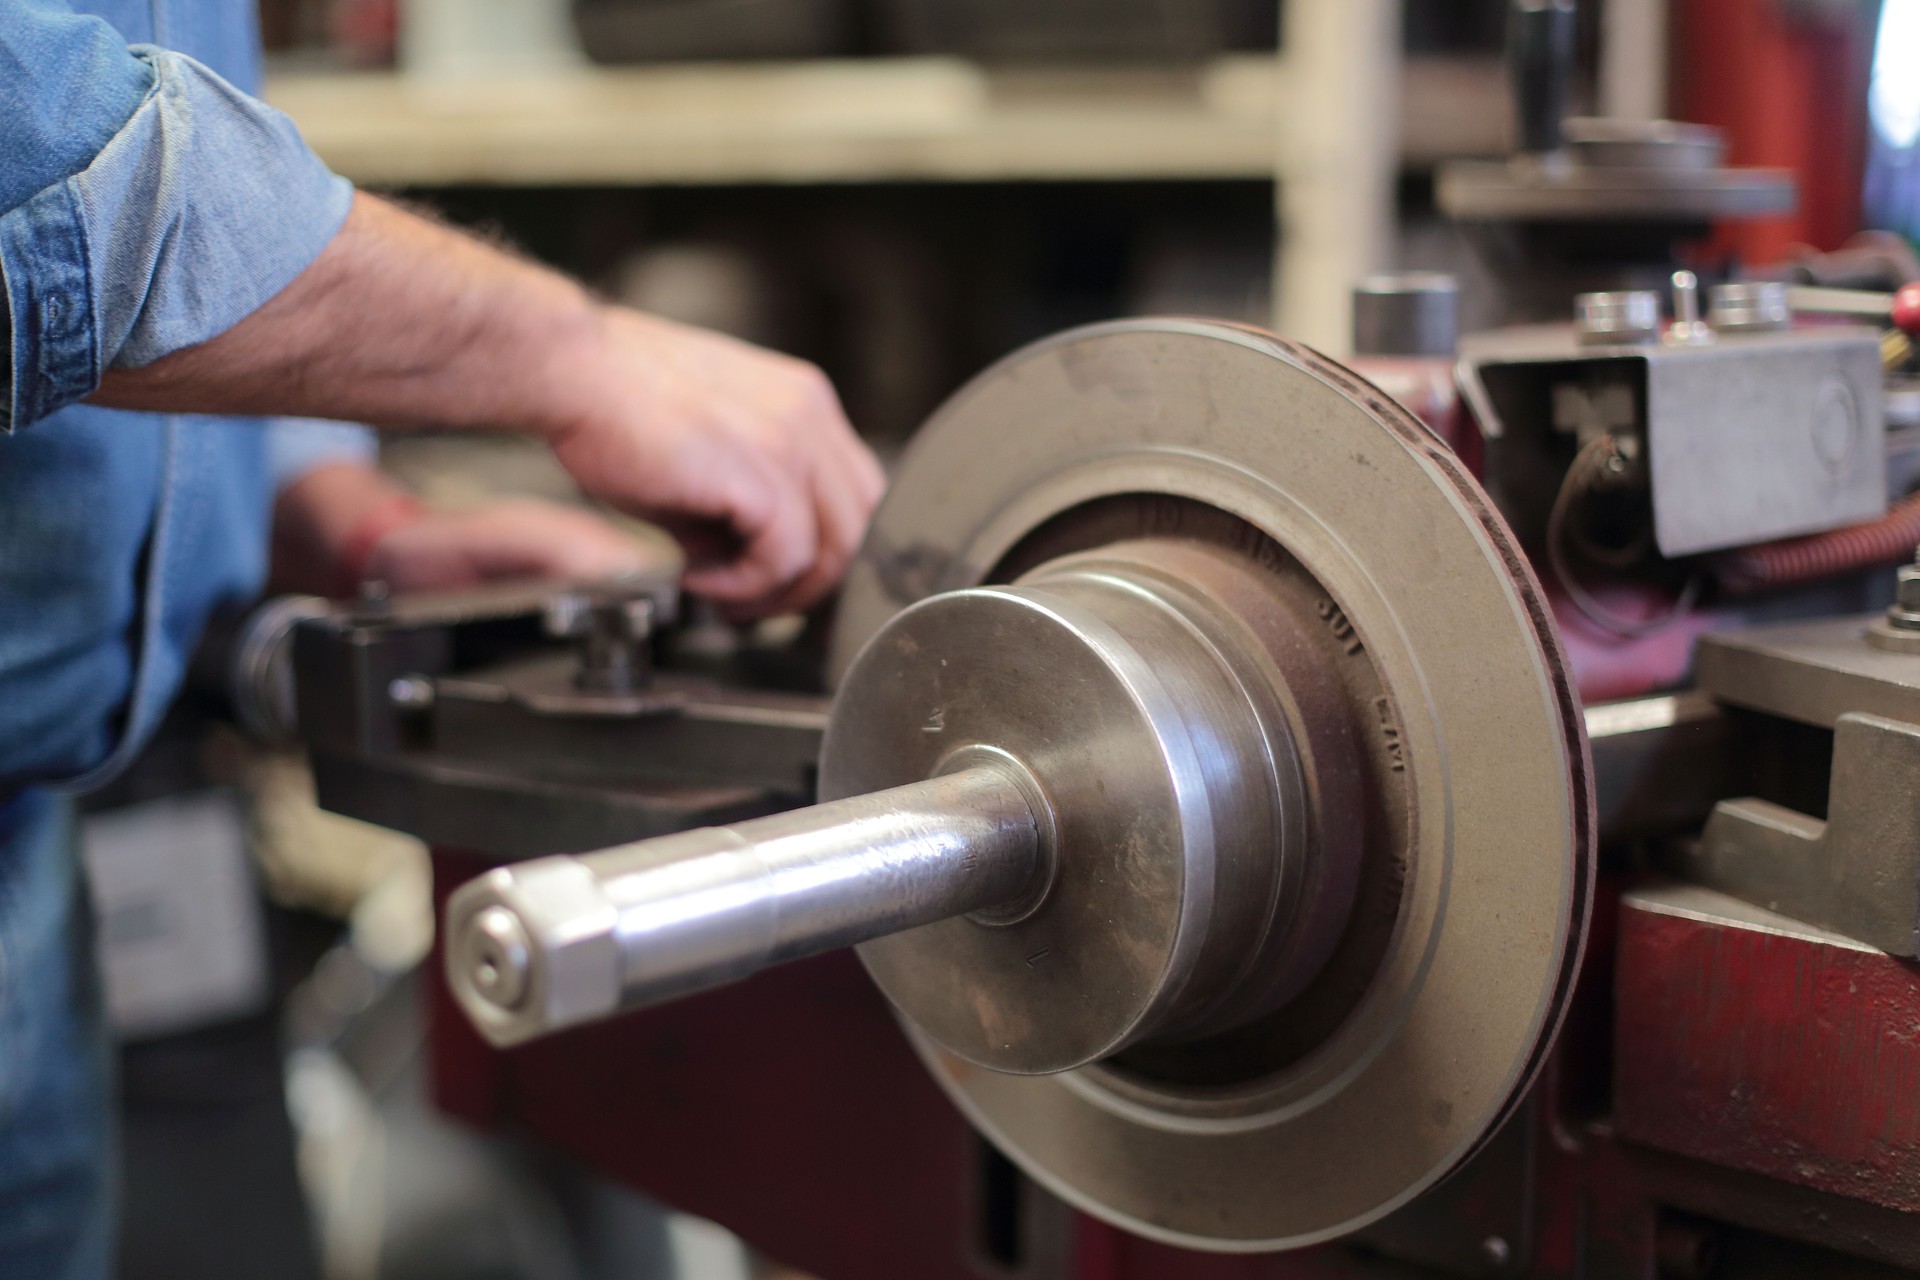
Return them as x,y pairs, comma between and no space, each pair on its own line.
1858,873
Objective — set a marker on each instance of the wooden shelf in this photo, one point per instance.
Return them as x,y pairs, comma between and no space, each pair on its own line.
870,120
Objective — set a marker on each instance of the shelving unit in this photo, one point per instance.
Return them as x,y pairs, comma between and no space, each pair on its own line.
869,120
1331,121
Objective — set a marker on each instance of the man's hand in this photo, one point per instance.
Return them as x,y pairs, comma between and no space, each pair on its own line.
342,524
507,538
743,453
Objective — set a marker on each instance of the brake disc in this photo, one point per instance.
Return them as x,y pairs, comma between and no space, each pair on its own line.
1437,754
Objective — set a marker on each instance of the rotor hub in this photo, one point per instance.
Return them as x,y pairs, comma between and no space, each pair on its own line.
1190,880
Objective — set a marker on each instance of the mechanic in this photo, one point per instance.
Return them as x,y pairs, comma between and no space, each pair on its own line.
172,250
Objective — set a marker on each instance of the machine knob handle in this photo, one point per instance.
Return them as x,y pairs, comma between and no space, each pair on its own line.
545,944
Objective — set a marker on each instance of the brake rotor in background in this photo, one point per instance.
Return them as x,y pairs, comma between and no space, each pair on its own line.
1407,620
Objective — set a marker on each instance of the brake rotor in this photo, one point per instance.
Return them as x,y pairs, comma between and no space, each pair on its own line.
1466,807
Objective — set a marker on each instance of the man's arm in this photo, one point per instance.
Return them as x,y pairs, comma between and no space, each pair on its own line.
742,453
168,235
145,205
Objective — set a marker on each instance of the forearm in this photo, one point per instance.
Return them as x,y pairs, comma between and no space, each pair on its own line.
744,454
399,322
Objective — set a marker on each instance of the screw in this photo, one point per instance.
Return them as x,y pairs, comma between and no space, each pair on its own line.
1907,580
410,693
1687,327
1904,613
374,602
613,634
565,615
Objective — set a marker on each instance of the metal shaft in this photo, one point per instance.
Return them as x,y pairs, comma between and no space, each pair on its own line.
548,943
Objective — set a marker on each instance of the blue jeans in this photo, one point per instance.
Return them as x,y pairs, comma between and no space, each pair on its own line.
56,1119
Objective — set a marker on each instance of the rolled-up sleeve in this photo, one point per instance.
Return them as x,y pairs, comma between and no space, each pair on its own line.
121,243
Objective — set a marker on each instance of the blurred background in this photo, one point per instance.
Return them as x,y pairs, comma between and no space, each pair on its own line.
901,191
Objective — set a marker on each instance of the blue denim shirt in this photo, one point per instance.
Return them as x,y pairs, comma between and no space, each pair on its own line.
146,204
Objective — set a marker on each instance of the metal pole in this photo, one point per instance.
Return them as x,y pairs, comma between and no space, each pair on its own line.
1338,159
544,944
1633,59
1540,36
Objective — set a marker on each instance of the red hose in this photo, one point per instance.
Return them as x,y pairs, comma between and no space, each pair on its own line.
1889,540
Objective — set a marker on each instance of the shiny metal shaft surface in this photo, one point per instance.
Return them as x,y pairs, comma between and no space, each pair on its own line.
548,943
705,907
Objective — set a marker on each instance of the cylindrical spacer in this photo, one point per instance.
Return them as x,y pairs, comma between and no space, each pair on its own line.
1409,313
1749,306
549,943
1610,319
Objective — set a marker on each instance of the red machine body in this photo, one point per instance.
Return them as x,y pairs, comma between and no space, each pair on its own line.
1731,1087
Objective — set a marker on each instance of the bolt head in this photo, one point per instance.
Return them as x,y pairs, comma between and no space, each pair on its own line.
632,619
565,614
1907,587
1496,1251
411,693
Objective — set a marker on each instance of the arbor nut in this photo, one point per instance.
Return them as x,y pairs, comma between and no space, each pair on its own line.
532,949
